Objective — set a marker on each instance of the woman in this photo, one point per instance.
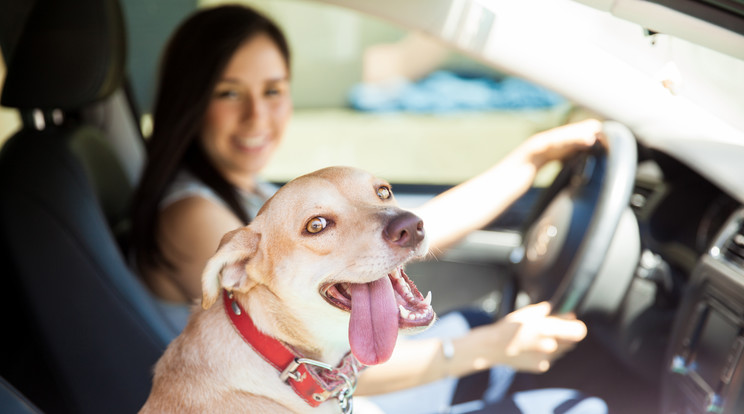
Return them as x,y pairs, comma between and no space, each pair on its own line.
222,107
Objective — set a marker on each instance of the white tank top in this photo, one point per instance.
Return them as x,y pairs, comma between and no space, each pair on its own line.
186,185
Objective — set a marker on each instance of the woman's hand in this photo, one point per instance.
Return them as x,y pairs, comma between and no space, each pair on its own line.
528,339
559,142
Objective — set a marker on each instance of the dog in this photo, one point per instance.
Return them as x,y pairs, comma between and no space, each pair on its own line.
298,301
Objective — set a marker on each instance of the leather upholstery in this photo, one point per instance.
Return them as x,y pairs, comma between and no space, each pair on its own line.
69,54
62,188
13,402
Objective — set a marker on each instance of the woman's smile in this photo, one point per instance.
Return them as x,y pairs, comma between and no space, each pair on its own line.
253,143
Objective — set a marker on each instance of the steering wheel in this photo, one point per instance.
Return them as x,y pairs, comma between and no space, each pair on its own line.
569,231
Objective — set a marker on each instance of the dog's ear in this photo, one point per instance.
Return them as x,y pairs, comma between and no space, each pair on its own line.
226,269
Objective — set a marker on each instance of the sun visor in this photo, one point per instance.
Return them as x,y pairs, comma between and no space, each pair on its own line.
66,57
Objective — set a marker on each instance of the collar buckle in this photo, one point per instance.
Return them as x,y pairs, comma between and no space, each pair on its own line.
344,394
291,370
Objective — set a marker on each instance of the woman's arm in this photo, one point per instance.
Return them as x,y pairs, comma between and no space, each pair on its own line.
189,233
528,339
474,203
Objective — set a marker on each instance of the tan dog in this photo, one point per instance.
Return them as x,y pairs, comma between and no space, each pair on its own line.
318,272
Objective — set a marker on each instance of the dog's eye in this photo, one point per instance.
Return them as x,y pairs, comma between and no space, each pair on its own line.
316,225
384,192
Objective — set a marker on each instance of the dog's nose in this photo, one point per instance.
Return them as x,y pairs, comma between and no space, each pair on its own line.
404,230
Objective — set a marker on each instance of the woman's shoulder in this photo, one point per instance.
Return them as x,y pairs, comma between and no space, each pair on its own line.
191,208
193,227
194,214
186,186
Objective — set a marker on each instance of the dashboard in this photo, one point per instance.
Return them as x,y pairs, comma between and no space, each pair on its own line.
693,330
679,212
705,364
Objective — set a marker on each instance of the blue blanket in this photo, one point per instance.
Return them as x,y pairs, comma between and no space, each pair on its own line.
444,91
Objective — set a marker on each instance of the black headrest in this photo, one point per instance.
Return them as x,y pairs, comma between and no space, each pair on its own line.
70,53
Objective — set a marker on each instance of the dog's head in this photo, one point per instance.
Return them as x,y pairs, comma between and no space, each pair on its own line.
322,264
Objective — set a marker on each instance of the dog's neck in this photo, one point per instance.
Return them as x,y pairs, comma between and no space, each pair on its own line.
312,380
297,335
309,337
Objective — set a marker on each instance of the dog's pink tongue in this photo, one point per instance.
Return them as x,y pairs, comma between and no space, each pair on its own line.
373,328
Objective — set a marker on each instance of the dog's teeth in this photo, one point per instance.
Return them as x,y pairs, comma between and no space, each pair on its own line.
404,313
427,299
396,275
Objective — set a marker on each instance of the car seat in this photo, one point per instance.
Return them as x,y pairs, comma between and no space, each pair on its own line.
13,402
63,188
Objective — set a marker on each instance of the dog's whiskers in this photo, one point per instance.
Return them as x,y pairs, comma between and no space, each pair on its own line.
433,255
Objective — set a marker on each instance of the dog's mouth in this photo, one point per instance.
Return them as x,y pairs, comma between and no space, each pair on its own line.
415,310
378,310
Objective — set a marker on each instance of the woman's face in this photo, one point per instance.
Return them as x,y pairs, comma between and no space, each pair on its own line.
248,112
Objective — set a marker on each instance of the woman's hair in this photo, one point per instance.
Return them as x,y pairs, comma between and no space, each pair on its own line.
194,60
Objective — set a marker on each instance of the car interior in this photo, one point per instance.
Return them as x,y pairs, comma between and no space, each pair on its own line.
81,318
654,250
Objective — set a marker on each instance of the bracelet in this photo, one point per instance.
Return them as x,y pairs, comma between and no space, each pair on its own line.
448,348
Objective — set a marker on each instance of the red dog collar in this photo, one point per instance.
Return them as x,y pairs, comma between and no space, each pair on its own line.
313,381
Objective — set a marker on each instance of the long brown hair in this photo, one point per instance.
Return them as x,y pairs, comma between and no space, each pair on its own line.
194,59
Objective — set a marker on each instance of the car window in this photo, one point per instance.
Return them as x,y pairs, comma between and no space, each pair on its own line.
335,50
420,136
